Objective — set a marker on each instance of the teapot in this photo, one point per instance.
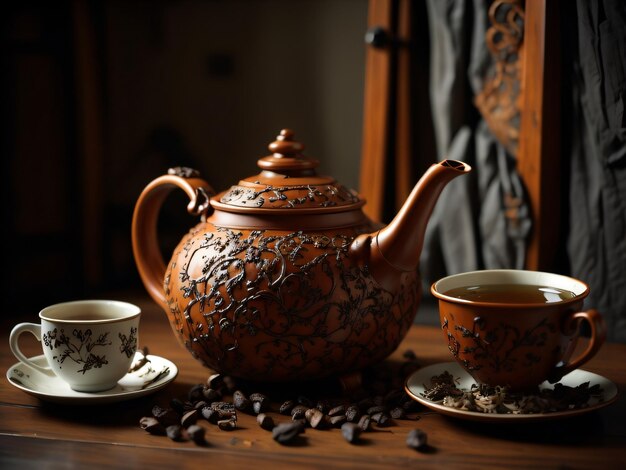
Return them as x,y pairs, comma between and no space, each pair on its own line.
285,278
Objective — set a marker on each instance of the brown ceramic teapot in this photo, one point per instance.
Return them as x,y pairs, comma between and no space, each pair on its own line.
284,277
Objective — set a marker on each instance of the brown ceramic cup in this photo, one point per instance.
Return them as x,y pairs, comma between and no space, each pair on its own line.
513,339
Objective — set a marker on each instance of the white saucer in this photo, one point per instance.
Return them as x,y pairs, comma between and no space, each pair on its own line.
415,387
152,376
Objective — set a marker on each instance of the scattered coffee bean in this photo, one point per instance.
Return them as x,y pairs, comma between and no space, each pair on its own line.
308,414
302,400
199,405
397,413
189,418
196,434
260,402
265,421
227,424
177,405
195,393
286,407
382,419
165,416
376,409
211,415
364,422
351,432
223,406
152,425
417,439
241,402
337,410
215,381
317,419
409,354
284,433
230,384
298,412
211,394
337,421
175,432
353,413
323,406
226,414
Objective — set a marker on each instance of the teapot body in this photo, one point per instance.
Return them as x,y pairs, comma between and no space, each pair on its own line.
279,305
285,278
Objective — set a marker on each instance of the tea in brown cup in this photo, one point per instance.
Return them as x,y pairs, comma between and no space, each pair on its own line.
516,328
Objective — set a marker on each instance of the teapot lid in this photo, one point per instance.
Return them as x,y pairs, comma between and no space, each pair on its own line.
287,182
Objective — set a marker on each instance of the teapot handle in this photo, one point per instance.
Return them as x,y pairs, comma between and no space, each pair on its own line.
146,248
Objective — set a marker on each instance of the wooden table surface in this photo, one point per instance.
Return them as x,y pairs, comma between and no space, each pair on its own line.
36,434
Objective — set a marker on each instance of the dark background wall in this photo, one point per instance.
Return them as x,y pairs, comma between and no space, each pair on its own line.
99,98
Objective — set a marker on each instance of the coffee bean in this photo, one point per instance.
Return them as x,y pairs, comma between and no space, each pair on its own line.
152,425
165,416
417,439
337,410
175,432
211,394
241,402
409,354
317,419
376,409
227,424
177,405
353,413
338,420
260,402
286,407
323,406
230,384
195,393
265,421
309,413
397,413
189,418
364,422
298,412
302,400
382,419
199,405
223,406
284,433
210,414
196,434
215,381
351,432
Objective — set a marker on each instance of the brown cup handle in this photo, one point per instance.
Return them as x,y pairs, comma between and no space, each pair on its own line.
598,336
146,248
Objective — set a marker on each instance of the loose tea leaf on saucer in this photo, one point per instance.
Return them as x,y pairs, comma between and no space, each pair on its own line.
499,400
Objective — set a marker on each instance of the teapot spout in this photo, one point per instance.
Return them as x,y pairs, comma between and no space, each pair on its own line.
396,248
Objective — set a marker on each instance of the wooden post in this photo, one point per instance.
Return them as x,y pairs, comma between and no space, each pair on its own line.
539,151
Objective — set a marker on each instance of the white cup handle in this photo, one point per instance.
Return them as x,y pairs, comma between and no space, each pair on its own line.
35,330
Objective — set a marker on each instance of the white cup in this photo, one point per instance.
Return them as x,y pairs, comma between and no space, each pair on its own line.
90,344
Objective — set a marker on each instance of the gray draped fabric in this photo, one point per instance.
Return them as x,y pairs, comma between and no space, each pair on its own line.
597,234
468,229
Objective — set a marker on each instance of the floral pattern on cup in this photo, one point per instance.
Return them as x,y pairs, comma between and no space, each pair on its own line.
129,344
81,346
498,347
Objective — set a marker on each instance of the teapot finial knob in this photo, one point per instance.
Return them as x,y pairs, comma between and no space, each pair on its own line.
285,146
